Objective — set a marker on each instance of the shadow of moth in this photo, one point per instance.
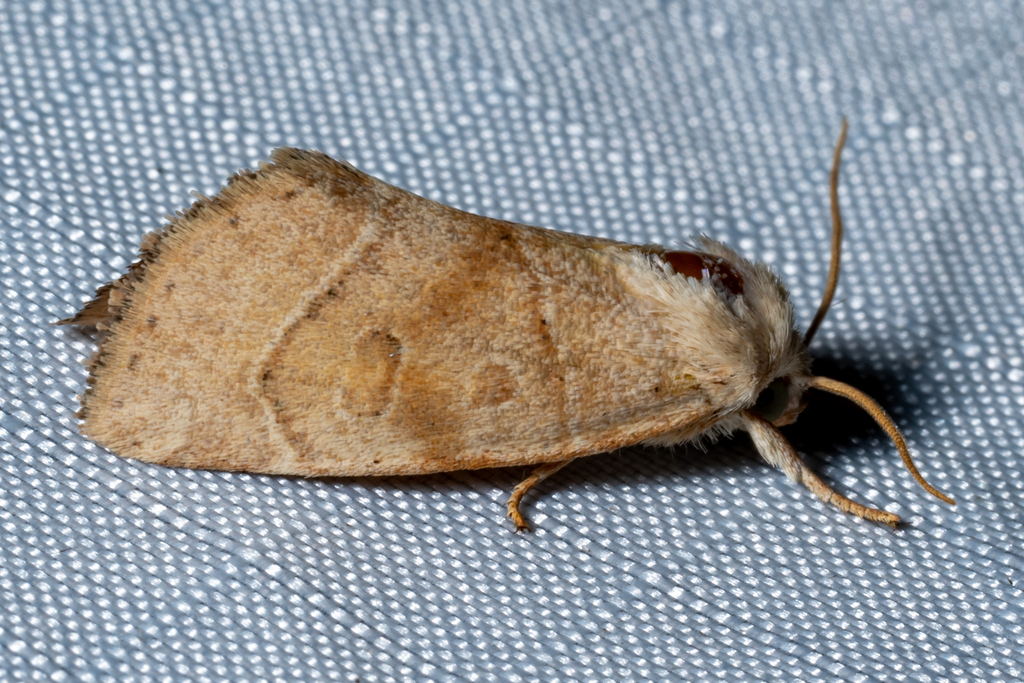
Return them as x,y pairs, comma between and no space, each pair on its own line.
312,320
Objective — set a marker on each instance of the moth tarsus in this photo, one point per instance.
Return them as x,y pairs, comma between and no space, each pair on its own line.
311,320
536,477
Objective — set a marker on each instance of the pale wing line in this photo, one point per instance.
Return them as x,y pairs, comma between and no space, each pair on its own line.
302,308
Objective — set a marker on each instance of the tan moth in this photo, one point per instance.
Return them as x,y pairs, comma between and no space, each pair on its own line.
312,320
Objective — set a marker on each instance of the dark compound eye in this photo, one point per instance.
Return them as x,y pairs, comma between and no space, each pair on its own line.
773,401
699,265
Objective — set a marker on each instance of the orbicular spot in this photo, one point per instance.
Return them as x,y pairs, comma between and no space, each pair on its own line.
369,375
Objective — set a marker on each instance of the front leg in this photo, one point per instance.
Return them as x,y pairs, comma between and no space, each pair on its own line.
538,475
778,452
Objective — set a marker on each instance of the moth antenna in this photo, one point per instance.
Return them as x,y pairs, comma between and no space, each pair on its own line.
875,411
837,240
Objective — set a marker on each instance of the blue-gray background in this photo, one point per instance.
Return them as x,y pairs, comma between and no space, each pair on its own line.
643,121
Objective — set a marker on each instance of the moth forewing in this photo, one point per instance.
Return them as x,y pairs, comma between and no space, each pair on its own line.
311,320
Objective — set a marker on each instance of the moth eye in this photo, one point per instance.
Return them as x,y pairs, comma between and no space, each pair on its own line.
773,401
698,265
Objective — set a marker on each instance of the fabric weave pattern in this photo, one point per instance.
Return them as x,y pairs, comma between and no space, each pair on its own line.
642,121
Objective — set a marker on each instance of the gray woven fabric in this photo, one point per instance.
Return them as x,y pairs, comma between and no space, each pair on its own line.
642,121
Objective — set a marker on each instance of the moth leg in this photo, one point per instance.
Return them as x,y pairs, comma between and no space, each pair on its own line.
779,453
536,477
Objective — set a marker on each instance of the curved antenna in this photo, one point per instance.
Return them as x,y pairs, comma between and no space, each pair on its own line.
837,240
874,410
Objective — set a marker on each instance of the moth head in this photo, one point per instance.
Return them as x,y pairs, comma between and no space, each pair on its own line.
781,401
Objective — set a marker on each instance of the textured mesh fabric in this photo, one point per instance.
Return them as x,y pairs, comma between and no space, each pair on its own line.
641,121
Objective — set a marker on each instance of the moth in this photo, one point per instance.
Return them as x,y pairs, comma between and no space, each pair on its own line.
312,320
